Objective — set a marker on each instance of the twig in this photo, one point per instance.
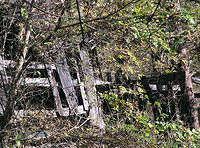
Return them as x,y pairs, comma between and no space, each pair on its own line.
99,18
80,21
154,12
45,12
75,127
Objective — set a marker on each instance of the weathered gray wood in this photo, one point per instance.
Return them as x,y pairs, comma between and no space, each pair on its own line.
35,82
45,83
39,82
95,113
56,95
196,80
22,113
32,65
67,82
83,94
3,85
3,71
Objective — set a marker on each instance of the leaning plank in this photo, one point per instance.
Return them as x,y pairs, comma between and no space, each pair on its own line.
83,94
56,95
67,82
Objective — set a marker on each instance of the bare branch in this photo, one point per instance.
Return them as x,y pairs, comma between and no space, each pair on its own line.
99,18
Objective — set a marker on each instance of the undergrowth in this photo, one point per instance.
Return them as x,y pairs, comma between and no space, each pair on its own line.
37,129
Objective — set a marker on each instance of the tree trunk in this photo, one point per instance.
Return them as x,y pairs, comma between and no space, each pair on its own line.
16,79
189,93
189,104
95,112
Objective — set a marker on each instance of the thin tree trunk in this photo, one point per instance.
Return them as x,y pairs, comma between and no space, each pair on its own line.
95,112
16,79
189,102
189,93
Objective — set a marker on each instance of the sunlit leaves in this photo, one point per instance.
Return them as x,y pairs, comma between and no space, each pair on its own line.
24,13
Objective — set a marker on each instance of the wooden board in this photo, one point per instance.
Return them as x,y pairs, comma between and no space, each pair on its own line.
35,82
56,95
3,85
67,82
26,113
83,93
32,65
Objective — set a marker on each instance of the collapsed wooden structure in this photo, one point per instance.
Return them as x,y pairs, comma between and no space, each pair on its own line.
64,82
157,84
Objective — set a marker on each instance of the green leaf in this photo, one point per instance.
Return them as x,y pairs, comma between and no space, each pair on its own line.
24,13
140,90
147,134
146,96
18,143
39,74
42,35
157,103
48,43
150,125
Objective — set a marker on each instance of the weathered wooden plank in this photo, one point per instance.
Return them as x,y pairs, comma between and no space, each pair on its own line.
45,82
35,82
67,82
32,65
154,87
3,85
96,82
83,93
3,75
39,82
25,113
56,95
99,82
80,110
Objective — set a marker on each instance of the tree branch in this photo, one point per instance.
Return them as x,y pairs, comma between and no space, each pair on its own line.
80,21
99,18
149,20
